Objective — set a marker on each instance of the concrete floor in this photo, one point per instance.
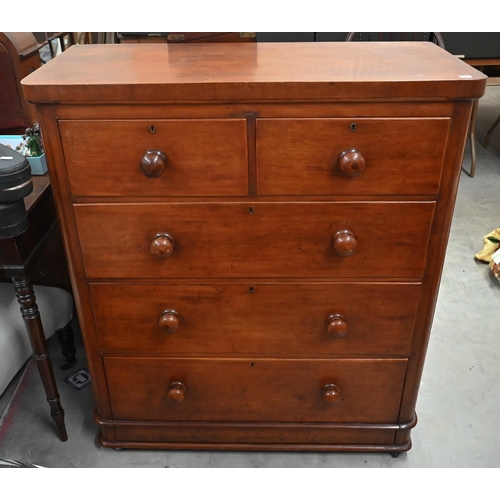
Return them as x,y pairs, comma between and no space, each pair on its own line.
459,401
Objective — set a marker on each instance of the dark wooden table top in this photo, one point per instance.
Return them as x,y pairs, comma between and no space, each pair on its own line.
41,183
326,70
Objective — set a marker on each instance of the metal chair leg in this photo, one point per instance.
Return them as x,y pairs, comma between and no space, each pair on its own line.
487,138
472,135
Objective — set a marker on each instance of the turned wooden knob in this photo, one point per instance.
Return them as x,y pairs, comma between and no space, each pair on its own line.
351,162
337,326
153,163
330,394
169,321
344,242
162,246
176,392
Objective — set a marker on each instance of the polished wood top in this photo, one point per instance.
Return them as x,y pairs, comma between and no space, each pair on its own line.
261,71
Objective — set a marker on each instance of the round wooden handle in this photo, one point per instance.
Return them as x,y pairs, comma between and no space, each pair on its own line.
337,326
344,242
162,246
153,163
330,394
351,162
176,392
169,321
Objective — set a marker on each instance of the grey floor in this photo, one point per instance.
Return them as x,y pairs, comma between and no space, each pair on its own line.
459,401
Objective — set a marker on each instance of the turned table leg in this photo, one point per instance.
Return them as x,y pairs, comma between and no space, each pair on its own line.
29,310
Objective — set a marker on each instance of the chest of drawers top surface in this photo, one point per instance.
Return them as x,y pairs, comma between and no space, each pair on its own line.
209,72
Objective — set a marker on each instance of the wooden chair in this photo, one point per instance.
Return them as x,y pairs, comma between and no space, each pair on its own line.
19,56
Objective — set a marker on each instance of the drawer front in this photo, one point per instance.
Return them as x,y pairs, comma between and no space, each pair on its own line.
257,436
258,318
255,240
249,390
302,156
200,157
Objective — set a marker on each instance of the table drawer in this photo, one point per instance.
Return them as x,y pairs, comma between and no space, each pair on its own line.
256,318
255,240
277,390
200,157
301,156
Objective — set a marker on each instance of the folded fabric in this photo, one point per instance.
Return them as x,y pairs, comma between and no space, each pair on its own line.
491,244
491,251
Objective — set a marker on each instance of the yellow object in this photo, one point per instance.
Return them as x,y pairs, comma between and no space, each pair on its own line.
491,244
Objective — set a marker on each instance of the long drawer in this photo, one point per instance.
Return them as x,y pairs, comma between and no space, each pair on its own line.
315,156
256,318
253,390
381,239
200,157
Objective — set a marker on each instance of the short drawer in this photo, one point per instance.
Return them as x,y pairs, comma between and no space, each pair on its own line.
189,158
250,390
179,240
320,156
256,318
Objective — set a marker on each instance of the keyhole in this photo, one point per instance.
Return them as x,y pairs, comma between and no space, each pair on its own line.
251,289
152,129
252,365
250,210
353,127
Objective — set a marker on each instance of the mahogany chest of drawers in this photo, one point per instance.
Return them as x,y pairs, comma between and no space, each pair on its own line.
255,234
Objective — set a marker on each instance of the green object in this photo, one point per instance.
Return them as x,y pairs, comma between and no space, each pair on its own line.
34,146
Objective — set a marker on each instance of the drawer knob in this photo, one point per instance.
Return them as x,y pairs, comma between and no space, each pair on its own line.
330,394
162,246
344,242
337,326
169,321
351,162
176,392
153,163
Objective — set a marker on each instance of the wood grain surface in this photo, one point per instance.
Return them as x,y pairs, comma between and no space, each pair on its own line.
272,390
261,71
255,239
258,318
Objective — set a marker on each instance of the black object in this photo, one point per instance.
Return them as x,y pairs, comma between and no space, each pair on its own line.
285,37
15,185
473,45
13,219
15,175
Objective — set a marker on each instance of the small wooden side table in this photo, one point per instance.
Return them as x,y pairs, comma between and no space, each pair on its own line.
16,253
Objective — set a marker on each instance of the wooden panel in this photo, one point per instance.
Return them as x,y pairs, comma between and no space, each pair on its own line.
254,240
255,389
253,71
10,101
300,156
257,318
203,157
18,57
191,435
